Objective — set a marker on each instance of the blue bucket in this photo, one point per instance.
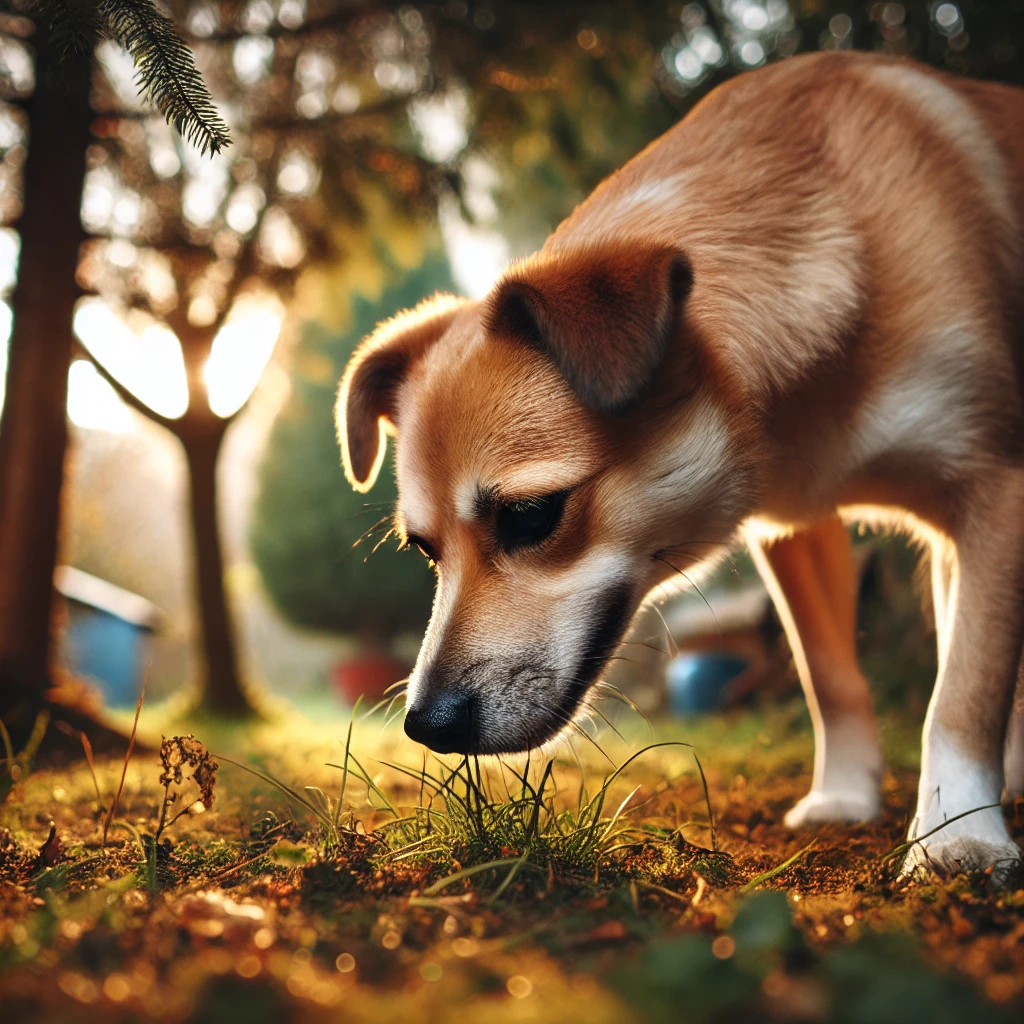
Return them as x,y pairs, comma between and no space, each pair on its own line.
696,680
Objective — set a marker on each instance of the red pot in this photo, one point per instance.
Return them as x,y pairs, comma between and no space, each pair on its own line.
368,675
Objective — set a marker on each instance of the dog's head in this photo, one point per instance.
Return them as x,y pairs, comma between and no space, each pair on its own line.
563,447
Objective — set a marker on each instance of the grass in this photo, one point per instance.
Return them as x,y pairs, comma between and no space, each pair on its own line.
339,870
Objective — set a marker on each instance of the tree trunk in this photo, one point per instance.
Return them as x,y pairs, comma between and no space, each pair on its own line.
33,432
201,434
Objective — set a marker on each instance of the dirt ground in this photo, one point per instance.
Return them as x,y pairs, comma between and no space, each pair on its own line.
255,910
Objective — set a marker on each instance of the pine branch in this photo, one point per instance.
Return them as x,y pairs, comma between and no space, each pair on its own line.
74,25
166,73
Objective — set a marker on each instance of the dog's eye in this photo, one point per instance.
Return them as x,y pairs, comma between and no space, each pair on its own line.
412,541
524,523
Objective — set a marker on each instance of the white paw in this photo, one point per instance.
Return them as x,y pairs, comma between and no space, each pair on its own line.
956,854
836,805
959,825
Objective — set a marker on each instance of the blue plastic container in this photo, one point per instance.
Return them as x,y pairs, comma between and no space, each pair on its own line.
107,634
696,680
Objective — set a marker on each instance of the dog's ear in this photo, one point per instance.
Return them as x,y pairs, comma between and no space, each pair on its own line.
605,314
365,410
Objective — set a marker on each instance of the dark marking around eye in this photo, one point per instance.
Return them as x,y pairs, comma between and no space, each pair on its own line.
426,549
484,502
529,521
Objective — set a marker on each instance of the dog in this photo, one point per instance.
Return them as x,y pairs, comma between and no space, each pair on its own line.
801,306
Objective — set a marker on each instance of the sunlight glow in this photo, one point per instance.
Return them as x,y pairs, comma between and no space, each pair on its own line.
241,351
251,57
119,69
93,403
10,246
440,122
5,333
19,70
477,251
147,359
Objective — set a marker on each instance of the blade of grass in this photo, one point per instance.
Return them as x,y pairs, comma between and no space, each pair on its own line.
205,882
287,790
8,747
127,758
458,876
344,773
90,761
365,776
538,801
615,817
134,833
420,775
767,876
513,871
323,802
903,847
651,887
600,795
707,801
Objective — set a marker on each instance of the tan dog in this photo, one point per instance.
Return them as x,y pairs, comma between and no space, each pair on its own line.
806,297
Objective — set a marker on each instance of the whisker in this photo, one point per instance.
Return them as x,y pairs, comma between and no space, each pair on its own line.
693,543
392,718
394,686
580,731
370,508
615,693
384,700
659,558
383,540
673,646
366,534
644,643
607,721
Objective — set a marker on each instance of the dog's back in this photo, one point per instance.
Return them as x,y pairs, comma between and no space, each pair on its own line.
836,186
1001,108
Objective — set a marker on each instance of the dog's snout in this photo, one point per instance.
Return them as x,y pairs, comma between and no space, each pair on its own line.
444,723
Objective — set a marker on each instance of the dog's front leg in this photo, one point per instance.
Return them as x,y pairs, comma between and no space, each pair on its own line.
812,582
979,651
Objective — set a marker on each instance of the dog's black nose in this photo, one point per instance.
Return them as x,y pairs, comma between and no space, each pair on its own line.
443,723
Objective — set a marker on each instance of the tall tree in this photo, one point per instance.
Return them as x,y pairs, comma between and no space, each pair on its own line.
33,432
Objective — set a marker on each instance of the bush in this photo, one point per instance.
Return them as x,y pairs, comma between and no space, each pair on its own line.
307,521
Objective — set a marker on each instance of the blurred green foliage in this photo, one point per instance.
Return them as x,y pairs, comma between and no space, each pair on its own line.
764,970
307,521
896,630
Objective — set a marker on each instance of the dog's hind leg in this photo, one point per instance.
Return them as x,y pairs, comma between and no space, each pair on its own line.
958,823
812,581
1013,756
